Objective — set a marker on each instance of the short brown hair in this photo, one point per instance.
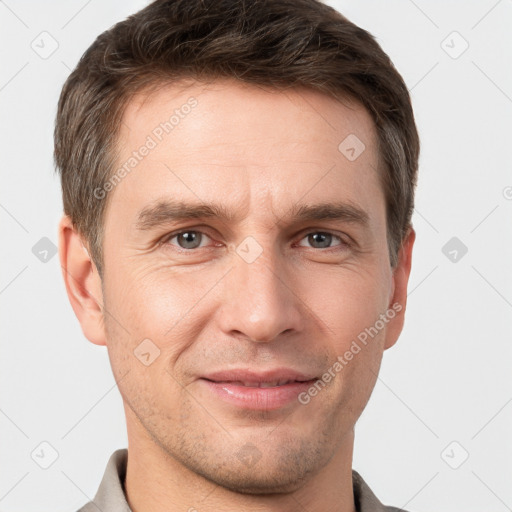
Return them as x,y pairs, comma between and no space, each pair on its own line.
276,43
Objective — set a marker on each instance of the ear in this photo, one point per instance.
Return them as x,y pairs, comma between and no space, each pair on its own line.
83,283
398,300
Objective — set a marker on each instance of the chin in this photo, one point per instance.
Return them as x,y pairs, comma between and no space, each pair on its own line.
265,481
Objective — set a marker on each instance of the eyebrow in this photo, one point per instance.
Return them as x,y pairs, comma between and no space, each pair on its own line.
163,212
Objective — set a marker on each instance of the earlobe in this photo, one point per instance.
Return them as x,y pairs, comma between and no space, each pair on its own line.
400,279
83,284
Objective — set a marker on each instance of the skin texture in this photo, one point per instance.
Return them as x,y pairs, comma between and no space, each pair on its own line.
258,153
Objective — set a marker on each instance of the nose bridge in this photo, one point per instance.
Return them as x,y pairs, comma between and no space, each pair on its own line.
259,301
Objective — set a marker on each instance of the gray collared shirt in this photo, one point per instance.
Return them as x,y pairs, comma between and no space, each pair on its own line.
111,498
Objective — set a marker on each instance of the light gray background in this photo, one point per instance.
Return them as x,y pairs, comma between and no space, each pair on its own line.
447,379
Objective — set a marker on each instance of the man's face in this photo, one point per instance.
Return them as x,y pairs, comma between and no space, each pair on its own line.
265,289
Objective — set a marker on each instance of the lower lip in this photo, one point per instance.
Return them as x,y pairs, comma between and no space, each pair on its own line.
262,399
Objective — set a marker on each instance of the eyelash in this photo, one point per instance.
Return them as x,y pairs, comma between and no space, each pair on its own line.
344,244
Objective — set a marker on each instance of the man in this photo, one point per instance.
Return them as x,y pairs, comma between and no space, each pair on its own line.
238,181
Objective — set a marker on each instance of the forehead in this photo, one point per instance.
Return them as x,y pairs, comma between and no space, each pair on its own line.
225,111
253,145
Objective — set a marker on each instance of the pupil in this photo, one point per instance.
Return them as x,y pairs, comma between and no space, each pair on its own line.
321,239
189,239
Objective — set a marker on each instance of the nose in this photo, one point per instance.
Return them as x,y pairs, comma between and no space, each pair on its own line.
260,300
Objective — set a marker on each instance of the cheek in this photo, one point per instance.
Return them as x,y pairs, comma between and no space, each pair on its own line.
164,305
347,301
144,315
348,304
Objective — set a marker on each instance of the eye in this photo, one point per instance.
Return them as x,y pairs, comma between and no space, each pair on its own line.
188,239
322,240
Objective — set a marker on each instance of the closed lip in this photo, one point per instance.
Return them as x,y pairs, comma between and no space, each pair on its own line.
278,376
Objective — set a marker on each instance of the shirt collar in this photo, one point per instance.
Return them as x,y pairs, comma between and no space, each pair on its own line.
111,496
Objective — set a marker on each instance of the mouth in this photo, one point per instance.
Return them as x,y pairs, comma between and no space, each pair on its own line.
260,384
267,391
